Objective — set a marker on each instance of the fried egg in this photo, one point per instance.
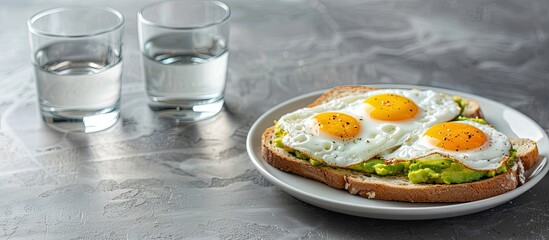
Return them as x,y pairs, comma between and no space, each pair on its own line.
353,129
477,146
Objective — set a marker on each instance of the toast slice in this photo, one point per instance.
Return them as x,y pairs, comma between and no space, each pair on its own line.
399,188
471,110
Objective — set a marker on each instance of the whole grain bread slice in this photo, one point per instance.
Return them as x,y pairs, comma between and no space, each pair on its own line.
399,188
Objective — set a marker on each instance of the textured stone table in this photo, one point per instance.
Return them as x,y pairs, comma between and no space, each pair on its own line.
148,178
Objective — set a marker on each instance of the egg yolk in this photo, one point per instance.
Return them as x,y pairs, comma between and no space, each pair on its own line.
390,107
455,136
340,125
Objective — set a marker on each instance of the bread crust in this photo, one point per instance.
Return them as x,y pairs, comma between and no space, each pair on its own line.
527,151
398,188
339,92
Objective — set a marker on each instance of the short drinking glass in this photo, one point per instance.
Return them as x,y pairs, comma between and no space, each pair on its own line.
184,46
77,57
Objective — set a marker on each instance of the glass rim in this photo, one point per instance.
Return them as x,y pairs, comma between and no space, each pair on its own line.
44,13
219,21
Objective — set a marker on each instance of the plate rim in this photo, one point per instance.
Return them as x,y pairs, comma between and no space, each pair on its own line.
394,212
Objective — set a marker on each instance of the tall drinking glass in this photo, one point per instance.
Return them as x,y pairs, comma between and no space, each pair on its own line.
77,57
184,46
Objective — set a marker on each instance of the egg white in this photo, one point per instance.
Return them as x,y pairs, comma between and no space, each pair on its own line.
375,136
490,156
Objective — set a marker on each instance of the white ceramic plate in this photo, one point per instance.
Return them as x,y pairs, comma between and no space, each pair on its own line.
505,119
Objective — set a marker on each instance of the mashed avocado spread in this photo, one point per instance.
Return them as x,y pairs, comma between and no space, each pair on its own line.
431,169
